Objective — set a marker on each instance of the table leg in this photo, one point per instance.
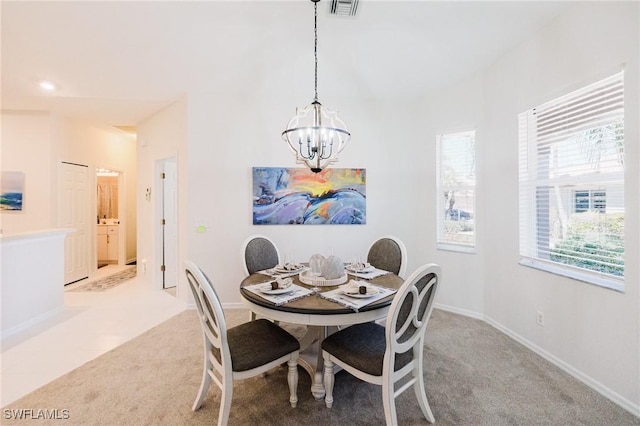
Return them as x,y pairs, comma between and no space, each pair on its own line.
311,358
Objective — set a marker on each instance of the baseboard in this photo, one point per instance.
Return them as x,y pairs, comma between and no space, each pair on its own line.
236,305
577,374
29,323
463,312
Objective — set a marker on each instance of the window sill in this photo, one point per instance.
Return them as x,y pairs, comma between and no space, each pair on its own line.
457,248
599,280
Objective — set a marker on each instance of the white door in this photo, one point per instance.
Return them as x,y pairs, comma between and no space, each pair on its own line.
74,214
170,221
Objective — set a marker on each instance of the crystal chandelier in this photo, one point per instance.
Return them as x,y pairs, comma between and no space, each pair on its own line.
315,134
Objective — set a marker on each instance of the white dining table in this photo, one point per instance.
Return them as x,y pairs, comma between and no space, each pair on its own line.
319,315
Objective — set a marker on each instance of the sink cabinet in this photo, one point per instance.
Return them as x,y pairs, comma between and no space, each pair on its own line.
108,236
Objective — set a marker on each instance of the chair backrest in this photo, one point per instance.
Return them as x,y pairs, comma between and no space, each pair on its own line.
259,253
411,309
388,253
214,327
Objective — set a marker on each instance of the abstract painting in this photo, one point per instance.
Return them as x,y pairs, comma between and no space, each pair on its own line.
11,191
297,196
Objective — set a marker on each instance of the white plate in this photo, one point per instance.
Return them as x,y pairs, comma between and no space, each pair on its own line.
354,268
268,290
370,292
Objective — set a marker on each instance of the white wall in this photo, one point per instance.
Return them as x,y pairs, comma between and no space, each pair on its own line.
591,331
37,142
162,136
26,147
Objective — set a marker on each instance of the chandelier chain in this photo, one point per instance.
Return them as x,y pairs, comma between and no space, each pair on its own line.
315,48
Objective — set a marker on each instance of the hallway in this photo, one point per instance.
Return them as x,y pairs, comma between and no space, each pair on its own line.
91,324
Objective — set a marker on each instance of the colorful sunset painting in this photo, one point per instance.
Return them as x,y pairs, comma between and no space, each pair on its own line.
11,191
297,196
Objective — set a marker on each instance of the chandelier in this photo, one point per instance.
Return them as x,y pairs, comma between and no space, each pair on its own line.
315,134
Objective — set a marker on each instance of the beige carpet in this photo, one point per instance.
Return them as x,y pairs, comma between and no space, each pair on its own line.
474,376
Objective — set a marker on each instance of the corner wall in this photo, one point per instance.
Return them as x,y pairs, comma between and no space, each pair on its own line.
592,332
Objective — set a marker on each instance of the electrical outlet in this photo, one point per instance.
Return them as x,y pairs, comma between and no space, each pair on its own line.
540,318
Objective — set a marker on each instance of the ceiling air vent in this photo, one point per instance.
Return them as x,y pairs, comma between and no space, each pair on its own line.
344,7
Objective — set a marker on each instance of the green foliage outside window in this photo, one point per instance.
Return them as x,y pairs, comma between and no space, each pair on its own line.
597,245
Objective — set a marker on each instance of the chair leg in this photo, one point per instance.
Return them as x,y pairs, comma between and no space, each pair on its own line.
204,385
328,382
225,401
388,402
292,378
421,394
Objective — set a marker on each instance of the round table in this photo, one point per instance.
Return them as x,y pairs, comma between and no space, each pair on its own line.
318,314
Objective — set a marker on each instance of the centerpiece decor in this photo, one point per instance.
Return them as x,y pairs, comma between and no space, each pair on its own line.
324,272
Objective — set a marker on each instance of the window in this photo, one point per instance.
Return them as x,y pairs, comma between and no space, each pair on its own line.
572,184
456,191
590,200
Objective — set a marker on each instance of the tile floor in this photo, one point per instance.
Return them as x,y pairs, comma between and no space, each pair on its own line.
91,324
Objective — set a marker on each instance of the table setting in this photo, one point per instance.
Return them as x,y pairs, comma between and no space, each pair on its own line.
356,293
322,272
288,269
364,270
279,291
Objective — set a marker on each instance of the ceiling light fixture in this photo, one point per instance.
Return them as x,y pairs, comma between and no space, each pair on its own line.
315,134
48,86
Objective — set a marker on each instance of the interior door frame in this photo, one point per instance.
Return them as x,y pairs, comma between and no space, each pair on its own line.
159,205
122,217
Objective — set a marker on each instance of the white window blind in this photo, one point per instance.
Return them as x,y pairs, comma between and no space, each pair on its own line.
572,184
456,191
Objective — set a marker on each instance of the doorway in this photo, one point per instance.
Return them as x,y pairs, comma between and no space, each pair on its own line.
107,217
167,182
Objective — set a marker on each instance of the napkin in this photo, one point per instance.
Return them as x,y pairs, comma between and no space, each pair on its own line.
284,282
353,287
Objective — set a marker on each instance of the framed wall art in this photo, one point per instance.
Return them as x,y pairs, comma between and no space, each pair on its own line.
11,191
297,196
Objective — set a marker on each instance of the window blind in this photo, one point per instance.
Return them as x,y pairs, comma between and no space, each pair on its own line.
456,190
572,182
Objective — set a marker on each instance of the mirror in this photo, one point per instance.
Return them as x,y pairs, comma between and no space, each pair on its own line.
107,195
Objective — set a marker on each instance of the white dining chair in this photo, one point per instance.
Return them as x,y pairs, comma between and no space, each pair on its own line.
241,352
386,355
388,253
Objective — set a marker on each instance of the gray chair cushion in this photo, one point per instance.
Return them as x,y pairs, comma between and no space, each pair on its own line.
385,254
260,254
362,346
258,342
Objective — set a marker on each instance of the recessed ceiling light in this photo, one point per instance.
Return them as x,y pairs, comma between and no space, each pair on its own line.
48,86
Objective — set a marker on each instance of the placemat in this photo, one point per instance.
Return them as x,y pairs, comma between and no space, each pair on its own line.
356,304
297,292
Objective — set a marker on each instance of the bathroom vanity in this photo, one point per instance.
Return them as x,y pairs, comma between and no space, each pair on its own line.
108,239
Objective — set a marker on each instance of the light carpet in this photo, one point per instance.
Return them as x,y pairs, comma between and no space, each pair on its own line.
108,282
474,375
